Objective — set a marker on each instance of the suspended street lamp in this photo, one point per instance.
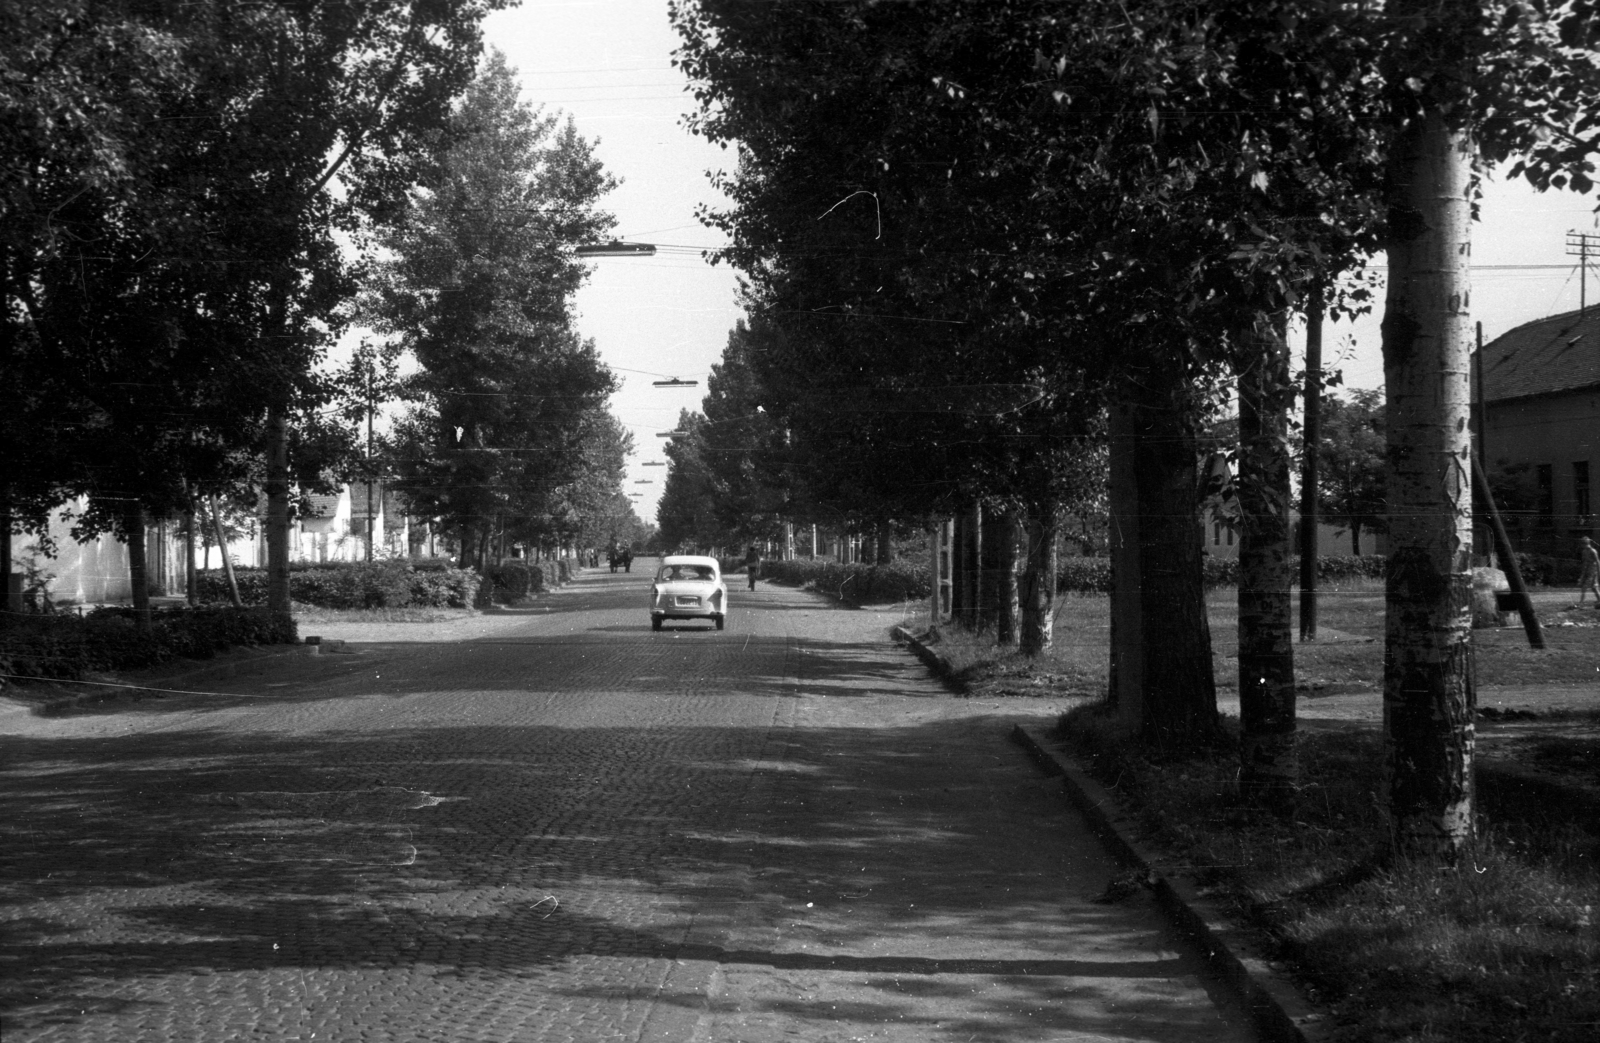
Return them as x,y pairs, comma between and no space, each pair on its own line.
616,248
674,382
654,463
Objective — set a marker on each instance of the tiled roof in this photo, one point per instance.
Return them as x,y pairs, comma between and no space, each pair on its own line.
1561,353
321,505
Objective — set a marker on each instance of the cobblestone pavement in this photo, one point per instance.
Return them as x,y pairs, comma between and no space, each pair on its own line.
561,826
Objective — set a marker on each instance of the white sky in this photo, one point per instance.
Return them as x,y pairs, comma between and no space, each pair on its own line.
608,64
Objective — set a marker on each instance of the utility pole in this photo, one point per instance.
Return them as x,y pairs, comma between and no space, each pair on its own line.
1583,245
372,521
1482,456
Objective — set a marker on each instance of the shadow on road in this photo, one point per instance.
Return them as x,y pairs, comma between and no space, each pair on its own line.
491,849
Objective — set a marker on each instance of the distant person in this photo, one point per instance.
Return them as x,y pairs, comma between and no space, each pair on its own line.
1589,570
752,565
627,559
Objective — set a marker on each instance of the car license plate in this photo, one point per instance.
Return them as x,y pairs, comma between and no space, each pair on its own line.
687,601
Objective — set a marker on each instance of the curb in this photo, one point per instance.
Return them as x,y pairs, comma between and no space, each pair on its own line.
239,659
935,662
1277,1010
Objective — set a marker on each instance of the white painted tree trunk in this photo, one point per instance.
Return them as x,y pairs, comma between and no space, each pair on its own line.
1428,698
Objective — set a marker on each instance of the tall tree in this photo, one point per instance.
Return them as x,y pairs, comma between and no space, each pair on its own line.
477,287
687,514
1352,463
1461,85
1268,766
173,273
744,446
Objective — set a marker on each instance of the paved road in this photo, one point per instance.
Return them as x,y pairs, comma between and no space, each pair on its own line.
557,825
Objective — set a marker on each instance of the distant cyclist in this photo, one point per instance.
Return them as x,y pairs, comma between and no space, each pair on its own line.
752,565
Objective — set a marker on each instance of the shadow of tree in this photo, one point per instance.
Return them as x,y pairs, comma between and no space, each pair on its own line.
502,850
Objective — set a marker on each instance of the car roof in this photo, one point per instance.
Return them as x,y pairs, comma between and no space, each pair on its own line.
690,559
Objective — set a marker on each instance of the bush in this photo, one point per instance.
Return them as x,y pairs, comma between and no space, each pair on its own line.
1347,566
1083,576
513,581
66,647
382,584
1545,570
1093,575
508,584
897,581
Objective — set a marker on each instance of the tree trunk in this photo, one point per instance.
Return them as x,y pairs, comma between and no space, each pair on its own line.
1267,764
1179,705
968,535
1125,688
222,552
1355,536
885,543
1038,593
138,571
205,545
1428,696
991,533
277,511
1310,478
13,580
191,582
1007,595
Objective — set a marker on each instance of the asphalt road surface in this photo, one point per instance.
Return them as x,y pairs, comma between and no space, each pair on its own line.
553,824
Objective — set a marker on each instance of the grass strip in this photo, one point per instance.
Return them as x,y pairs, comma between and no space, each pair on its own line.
1502,948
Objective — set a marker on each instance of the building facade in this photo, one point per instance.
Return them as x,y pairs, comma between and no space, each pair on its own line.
1536,410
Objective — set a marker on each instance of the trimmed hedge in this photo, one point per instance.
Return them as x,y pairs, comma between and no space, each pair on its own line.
898,581
509,583
513,581
1545,570
908,580
1083,575
67,647
382,584
1093,575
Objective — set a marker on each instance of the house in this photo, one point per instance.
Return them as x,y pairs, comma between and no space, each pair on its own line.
1536,395
332,527
1219,520
337,526
95,572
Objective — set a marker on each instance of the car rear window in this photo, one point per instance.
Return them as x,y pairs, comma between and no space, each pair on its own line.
676,572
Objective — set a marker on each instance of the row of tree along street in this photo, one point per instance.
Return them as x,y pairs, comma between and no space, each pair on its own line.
990,244
197,199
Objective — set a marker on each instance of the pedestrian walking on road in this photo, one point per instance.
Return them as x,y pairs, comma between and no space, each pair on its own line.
1589,571
752,565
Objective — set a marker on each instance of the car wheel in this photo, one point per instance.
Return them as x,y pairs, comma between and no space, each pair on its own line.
655,622
719,622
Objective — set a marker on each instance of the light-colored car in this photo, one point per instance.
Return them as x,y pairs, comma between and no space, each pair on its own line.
688,586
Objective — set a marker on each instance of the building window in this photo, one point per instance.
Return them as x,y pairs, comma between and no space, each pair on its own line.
1580,487
1230,535
1216,534
1545,478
